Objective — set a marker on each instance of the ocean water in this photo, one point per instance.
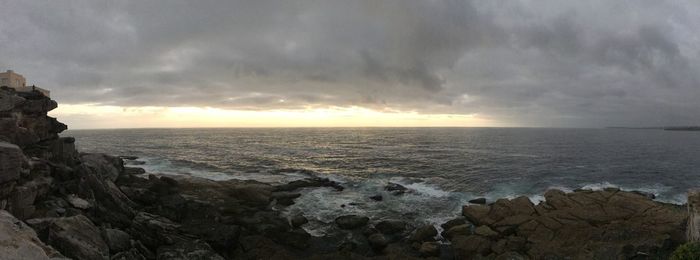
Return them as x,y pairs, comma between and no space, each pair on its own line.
443,167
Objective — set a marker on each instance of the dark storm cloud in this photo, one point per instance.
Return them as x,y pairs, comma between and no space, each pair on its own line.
563,63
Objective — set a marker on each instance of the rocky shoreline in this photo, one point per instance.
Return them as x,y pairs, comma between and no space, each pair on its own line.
57,203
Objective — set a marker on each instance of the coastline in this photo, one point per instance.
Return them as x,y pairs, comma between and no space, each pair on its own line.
93,206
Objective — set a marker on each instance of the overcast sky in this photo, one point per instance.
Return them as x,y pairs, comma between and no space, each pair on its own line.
531,63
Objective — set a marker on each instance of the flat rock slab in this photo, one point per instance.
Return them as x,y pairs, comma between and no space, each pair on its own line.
607,224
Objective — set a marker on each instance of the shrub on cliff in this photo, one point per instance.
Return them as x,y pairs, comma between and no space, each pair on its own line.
687,251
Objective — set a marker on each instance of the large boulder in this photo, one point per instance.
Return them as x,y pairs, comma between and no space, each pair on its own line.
19,241
78,238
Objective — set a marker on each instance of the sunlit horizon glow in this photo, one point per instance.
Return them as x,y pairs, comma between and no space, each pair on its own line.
96,116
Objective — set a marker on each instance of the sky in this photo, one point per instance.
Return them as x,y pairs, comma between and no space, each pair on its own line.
281,63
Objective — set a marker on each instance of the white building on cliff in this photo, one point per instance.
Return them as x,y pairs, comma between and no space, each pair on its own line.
19,83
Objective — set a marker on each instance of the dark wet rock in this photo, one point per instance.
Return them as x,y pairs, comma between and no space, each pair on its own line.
395,188
308,183
134,170
77,237
377,241
285,198
351,221
430,249
193,250
116,239
478,201
392,226
425,233
377,197
298,220
128,157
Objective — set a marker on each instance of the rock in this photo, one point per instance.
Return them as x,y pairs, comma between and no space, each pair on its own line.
452,223
62,151
477,214
134,170
104,166
297,238
470,247
478,201
154,230
11,158
78,238
219,236
77,202
298,220
309,182
377,241
128,157
132,254
194,250
485,231
116,240
461,230
425,233
395,188
511,256
21,202
377,197
9,101
285,198
351,221
430,249
391,226
253,195
111,205
19,241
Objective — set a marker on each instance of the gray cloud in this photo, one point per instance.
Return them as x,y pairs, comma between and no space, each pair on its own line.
558,63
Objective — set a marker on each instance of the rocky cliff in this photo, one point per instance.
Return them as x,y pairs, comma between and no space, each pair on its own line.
57,203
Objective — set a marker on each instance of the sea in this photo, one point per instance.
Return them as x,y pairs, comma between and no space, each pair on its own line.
443,168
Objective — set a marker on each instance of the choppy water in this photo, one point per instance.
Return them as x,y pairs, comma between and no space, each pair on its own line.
445,166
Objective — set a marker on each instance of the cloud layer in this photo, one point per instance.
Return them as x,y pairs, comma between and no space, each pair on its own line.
527,62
